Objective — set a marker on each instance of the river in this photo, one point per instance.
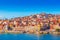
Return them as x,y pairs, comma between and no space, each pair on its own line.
29,37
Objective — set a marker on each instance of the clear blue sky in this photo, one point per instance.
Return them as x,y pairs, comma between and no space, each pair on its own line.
16,8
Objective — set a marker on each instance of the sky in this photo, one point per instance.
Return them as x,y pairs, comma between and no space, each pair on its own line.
19,8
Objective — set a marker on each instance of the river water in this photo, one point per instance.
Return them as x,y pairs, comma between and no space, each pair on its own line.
29,37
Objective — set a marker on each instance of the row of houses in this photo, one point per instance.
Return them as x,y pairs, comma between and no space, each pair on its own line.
32,23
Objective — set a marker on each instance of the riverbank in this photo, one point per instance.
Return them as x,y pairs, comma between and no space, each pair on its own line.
37,33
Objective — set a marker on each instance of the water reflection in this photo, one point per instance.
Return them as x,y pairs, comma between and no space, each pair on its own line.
29,37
